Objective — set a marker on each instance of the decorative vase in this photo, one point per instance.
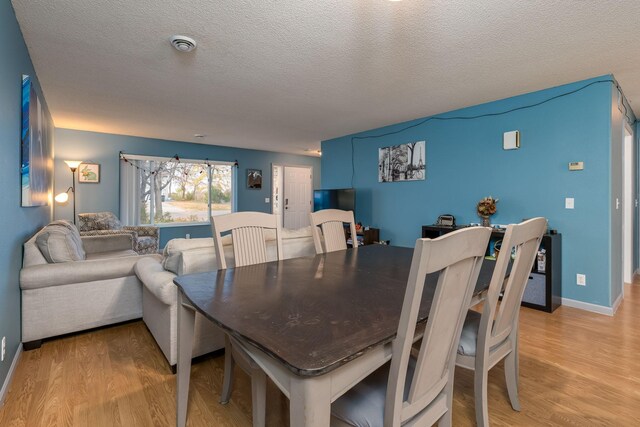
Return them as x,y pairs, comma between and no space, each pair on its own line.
485,221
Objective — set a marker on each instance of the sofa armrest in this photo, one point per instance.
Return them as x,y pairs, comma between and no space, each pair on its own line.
157,280
65,273
107,243
143,230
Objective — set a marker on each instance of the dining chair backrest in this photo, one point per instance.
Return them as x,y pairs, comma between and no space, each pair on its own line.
332,221
456,257
498,321
247,234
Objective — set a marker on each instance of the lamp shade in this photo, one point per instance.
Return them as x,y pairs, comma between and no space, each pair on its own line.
73,164
62,197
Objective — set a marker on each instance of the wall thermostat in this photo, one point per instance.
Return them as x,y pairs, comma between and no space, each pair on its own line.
576,166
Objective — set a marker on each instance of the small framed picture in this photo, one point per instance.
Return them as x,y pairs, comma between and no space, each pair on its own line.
89,173
254,179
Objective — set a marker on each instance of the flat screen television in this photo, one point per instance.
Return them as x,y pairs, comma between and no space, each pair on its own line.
344,199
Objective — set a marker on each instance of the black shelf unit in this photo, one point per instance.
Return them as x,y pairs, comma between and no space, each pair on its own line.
370,235
543,292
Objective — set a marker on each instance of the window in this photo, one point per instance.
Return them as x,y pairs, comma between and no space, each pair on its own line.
168,191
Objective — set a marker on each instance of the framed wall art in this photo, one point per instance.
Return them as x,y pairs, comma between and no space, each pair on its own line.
405,162
254,179
35,148
89,173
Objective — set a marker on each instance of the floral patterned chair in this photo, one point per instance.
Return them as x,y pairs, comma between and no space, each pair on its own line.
145,237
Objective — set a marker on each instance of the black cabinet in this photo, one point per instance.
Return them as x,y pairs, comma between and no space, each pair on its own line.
543,291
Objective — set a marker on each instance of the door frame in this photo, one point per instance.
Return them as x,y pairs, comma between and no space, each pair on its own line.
629,207
283,166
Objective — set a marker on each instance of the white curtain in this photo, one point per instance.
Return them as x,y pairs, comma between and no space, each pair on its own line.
129,193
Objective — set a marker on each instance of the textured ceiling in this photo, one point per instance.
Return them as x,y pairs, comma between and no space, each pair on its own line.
284,75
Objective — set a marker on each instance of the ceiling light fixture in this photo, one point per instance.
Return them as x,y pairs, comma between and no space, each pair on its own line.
183,43
199,135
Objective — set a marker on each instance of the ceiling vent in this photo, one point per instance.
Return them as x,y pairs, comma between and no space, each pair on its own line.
183,43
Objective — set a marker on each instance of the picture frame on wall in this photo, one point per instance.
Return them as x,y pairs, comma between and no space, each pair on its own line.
89,173
254,179
404,162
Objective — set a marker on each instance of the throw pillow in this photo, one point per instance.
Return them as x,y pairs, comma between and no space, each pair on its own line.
60,242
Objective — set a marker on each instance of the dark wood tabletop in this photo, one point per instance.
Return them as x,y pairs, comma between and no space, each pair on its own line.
313,313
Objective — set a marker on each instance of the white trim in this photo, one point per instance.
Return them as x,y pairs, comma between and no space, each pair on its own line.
617,302
7,381
594,308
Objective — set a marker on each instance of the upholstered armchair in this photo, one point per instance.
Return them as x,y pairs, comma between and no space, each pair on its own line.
145,237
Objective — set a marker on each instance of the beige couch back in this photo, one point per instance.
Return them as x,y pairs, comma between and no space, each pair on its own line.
32,254
186,256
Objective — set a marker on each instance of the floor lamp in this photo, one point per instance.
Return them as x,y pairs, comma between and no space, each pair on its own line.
64,197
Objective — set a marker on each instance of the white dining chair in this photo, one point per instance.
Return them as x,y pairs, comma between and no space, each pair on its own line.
331,223
418,390
249,247
489,337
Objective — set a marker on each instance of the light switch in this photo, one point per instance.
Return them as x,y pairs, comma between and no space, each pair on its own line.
568,203
266,200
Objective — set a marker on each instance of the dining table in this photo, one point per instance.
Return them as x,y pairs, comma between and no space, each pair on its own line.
316,325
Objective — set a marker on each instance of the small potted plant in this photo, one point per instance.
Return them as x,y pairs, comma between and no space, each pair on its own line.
486,207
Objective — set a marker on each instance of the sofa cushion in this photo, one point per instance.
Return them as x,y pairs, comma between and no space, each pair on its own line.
173,250
99,221
112,254
60,242
147,245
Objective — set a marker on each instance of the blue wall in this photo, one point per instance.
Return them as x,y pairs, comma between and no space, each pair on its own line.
465,162
104,148
18,224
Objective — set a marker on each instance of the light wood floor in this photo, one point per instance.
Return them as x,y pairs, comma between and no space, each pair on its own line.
577,369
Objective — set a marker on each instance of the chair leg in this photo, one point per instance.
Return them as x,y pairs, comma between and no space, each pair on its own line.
511,377
480,387
259,397
446,419
229,363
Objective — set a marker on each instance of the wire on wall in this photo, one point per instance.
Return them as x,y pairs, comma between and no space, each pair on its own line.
479,116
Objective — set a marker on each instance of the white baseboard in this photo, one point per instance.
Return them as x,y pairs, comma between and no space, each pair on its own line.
594,308
617,302
7,381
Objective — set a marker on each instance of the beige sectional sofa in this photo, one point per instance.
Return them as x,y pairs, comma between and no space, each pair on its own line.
71,283
186,256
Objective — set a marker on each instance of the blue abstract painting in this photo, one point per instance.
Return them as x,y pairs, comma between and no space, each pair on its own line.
35,148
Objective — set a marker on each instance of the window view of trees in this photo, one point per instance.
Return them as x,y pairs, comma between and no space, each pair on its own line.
183,192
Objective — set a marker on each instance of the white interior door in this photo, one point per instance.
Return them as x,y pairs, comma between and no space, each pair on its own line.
628,207
297,196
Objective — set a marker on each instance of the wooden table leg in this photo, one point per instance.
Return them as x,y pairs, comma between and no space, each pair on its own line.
310,404
186,323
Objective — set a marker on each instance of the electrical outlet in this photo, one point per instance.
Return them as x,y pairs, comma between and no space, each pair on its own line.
266,200
187,236
4,348
581,279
